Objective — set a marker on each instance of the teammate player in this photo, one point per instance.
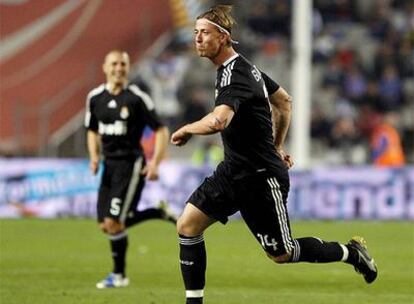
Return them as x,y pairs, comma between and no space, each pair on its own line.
253,178
116,114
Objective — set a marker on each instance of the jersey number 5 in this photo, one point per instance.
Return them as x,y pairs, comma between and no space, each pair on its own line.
115,206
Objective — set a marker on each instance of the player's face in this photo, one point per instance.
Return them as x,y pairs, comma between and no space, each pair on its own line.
116,68
208,40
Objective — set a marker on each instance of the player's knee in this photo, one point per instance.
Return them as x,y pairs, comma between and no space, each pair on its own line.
187,227
102,227
112,226
280,259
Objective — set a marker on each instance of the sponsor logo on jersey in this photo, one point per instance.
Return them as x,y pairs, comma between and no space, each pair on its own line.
112,104
124,113
118,128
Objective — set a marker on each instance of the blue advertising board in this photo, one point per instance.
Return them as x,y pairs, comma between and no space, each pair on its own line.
50,188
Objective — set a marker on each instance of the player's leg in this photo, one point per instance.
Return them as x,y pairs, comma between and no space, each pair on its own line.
190,226
118,240
110,227
212,201
135,217
114,279
162,212
121,178
266,217
316,250
282,248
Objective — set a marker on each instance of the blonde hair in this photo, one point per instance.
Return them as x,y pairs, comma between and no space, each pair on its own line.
220,14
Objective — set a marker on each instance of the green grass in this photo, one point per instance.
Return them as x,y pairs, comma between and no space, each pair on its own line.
59,261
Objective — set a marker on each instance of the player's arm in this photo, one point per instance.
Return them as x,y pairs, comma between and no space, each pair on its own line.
213,122
281,103
93,143
161,143
160,151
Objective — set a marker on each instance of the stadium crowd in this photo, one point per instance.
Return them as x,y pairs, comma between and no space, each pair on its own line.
363,72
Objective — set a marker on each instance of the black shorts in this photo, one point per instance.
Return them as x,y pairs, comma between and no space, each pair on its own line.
121,187
261,199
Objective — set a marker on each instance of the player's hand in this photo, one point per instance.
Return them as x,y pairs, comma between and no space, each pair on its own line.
286,158
94,165
150,171
180,137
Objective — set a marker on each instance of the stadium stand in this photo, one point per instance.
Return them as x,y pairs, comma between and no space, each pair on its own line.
362,68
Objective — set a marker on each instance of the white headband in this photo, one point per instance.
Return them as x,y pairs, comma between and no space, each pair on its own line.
222,29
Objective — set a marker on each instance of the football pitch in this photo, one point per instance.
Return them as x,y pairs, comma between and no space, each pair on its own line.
59,261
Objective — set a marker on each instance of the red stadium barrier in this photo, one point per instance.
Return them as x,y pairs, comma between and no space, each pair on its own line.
51,54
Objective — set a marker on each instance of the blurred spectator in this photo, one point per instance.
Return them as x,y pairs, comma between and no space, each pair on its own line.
390,87
280,15
344,136
384,57
270,19
259,21
324,46
333,74
386,148
344,108
367,119
166,73
379,23
405,58
317,22
355,83
320,124
337,10
372,97
345,56
272,59
194,105
402,15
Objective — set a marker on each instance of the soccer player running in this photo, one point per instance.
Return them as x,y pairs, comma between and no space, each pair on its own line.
116,114
252,113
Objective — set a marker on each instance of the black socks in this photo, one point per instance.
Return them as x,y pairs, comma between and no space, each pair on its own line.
194,301
140,216
314,250
119,245
193,262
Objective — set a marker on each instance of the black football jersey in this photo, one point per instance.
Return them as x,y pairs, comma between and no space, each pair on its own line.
248,139
120,119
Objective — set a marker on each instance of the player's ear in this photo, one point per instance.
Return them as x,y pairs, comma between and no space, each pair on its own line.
223,37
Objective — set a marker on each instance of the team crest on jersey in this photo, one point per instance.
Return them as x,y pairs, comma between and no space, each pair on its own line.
124,113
